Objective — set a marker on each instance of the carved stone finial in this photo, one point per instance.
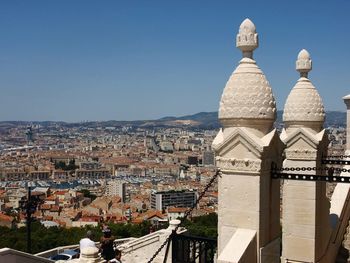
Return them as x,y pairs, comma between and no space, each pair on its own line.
247,100
247,38
304,63
304,106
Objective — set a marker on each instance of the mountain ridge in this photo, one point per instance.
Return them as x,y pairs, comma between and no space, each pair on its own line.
204,120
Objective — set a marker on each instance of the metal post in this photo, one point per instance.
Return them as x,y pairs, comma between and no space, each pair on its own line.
172,235
29,219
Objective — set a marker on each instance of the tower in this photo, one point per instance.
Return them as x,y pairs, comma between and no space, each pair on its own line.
29,135
246,147
305,219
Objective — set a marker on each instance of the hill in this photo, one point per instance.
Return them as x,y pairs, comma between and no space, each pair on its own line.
201,120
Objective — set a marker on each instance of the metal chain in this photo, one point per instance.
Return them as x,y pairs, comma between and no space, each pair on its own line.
187,213
327,160
338,156
311,177
313,169
160,248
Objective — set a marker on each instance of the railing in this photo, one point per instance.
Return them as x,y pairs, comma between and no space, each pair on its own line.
12,255
55,251
120,241
192,249
138,243
58,250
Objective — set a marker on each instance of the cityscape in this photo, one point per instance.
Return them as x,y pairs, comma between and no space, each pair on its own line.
121,142
121,166
88,173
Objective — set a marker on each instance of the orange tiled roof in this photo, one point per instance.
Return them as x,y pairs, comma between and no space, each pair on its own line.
51,198
177,209
37,193
55,208
138,220
61,223
6,218
45,207
61,192
119,160
152,213
90,219
48,218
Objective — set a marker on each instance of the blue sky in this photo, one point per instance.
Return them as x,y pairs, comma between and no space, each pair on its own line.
77,60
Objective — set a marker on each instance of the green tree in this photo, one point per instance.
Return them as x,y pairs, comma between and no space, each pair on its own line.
204,226
47,238
88,194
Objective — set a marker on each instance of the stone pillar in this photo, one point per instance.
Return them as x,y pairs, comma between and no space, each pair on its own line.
246,147
305,217
346,243
90,255
347,103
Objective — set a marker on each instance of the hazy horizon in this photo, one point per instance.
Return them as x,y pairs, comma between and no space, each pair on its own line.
101,120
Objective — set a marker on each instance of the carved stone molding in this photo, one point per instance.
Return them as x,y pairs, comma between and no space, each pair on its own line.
238,165
301,154
247,95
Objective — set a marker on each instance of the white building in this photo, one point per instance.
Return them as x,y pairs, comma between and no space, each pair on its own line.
116,187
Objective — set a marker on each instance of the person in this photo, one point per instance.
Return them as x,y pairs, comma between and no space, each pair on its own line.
107,241
87,241
118,255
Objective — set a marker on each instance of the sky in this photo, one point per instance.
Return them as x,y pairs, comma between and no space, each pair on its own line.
78,60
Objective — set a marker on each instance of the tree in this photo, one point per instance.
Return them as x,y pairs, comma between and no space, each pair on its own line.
204,226
62,165
88,194
47,238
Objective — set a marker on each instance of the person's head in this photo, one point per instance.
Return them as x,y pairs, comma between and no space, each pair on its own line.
89,234
107,232
118,254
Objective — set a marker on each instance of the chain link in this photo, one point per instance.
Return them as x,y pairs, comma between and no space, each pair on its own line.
297,169
338,156
160,248
187,213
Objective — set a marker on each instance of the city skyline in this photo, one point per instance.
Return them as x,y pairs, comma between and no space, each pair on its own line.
66,61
